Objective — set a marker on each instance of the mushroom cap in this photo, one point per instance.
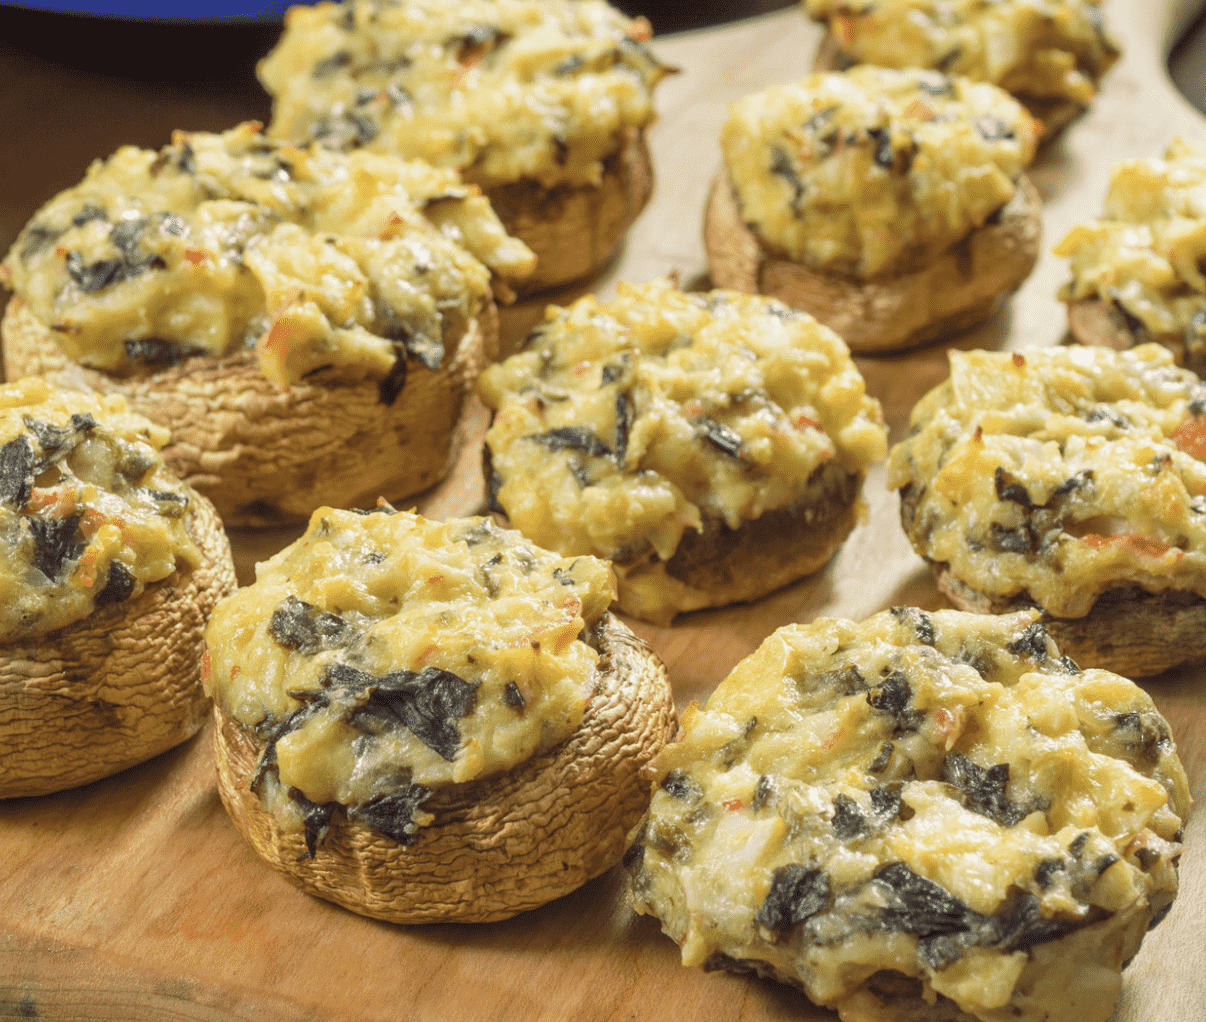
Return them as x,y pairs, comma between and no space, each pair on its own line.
497,846
263,454
1128,630
950,294
573,229
117,687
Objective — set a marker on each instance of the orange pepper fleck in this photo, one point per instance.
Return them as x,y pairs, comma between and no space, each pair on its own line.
1190,436
732,804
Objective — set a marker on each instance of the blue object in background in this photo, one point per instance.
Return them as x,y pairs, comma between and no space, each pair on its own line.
172,10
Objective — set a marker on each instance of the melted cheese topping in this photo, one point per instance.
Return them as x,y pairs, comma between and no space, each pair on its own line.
502,89
1060,473
383,653
623,424
873,171
1048,49
936,794
219,242
89,514
1145,255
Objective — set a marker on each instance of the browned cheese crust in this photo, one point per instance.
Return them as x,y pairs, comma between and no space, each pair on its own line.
264,454
574,229
499,846
1129,630
117,687
950,294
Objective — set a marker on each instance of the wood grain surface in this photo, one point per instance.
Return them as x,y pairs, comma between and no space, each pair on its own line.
134,898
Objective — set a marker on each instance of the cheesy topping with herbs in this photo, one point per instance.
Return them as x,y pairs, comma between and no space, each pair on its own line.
382,655
1145,255
1059,473
873,171
937,795
501,89
1036,49
623,424
220,242
89,514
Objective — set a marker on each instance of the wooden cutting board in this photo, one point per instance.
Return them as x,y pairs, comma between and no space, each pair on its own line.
134,898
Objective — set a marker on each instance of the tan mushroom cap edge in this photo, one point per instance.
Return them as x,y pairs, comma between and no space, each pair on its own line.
499,846
262,453
117,687
953,293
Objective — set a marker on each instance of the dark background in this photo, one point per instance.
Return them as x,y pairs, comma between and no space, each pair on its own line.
74,88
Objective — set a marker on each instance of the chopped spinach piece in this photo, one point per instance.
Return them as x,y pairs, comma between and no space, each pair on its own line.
886,801
848,820
764,790
882,140
394,381
329,65
187,160
796,893
302,627
1144,732
923,624
936,85
54,543
576,438
1032,643
624,418
37,238
317,819
892,695
720,436
1008,489
678,785
993,129
1045,871
89,213
513,697
882,758
393,815
984,789
344,132
782,166
569,65
156,353
119,584
917,905
1020,540
93,277
427,703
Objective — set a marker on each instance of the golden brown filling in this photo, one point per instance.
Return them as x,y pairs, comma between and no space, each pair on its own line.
1043,49
89,514
383,654
501,89
222,242
1060,473
939,795
622,425
1145,255
874,171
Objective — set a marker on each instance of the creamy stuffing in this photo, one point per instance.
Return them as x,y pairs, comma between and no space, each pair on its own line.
500,89
220,243
873,172
89,514
383,655
914,806
1059,473
1144,256
1035,49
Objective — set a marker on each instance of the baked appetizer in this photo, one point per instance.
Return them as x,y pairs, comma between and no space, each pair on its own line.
1071,480
424,721
889,204
922,816
111,568
712,446
1050,54
543,103
307,324
1137,272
